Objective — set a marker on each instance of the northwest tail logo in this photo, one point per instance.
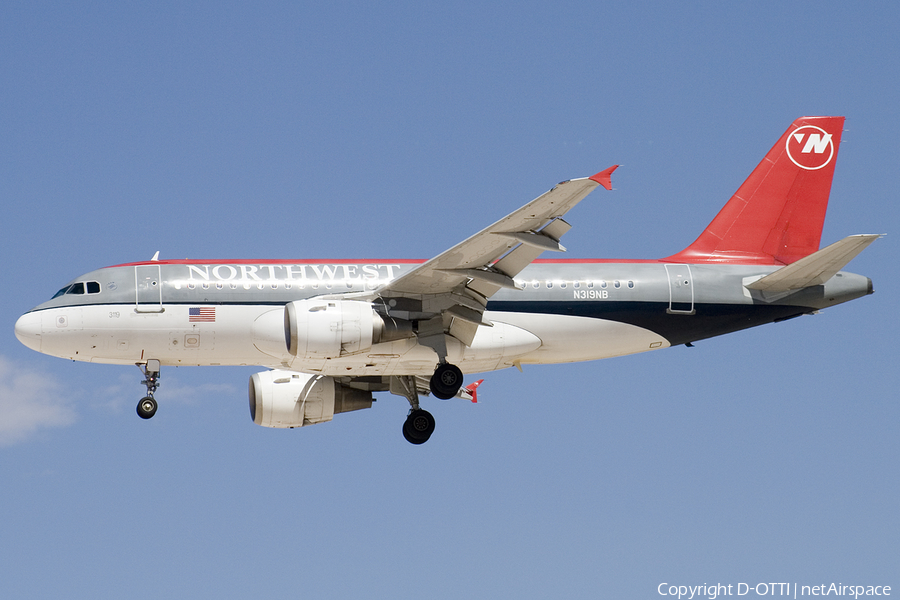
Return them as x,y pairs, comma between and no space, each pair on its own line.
809,147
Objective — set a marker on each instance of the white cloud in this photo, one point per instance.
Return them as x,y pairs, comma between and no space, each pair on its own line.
29,401
32,400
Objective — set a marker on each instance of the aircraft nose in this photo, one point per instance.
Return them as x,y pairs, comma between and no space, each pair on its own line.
28,330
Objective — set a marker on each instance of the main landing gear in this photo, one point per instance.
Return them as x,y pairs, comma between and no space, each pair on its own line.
146,408
419,424
444,384
418,427
446,381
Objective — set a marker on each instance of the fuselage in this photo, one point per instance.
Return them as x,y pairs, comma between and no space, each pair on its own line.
232,312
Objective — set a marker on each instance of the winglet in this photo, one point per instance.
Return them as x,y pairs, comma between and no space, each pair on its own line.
604,177
471,389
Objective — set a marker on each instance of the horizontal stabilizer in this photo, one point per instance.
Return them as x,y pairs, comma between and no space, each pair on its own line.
815,269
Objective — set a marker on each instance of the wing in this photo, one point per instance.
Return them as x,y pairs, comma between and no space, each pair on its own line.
448,293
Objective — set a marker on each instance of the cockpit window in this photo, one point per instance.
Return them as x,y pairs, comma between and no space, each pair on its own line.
82,287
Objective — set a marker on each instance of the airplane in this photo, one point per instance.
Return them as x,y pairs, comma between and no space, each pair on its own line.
334,332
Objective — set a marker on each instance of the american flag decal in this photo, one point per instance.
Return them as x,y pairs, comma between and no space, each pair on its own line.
203,314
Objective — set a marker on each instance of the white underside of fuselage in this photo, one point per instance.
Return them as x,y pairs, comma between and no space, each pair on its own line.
254,335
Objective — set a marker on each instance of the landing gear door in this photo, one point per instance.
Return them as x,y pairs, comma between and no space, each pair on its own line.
681,290
148,288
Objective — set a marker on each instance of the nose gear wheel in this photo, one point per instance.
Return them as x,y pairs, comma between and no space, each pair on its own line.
147,406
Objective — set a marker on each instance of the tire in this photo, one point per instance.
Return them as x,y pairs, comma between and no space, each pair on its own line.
418,427
446,381
146,408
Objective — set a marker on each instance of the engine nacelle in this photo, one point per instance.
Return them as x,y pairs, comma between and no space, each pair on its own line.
287,399
331,328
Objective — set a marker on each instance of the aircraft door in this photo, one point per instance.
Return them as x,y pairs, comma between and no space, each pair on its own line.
681,290
148,289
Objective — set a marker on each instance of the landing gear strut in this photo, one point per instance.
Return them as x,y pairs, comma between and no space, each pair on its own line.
146,408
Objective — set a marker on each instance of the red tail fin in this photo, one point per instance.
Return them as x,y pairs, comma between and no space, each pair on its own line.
776,216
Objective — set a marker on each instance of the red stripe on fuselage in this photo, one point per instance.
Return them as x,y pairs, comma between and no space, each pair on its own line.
372,261
271,261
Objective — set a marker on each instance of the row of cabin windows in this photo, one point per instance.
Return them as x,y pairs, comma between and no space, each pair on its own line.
233,285
602,284
82,287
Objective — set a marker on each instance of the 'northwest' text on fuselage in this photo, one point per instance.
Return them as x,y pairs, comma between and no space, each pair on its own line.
291,272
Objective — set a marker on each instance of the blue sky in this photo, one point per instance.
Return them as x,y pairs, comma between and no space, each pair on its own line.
345,130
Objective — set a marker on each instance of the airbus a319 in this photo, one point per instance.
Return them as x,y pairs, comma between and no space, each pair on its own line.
334,332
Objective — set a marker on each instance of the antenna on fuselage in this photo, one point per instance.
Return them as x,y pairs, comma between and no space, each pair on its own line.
155,256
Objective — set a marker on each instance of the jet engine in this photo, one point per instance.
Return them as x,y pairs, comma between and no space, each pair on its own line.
286,399
332,328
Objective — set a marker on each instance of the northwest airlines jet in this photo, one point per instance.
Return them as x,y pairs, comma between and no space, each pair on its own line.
334,332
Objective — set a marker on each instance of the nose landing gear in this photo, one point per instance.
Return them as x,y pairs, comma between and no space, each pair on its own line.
146,408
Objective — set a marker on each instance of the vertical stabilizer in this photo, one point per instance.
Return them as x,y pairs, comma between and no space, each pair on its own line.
776,216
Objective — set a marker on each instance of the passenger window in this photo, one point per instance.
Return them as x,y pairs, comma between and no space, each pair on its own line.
78,288
93,287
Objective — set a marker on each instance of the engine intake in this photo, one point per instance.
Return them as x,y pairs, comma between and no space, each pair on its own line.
285,399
